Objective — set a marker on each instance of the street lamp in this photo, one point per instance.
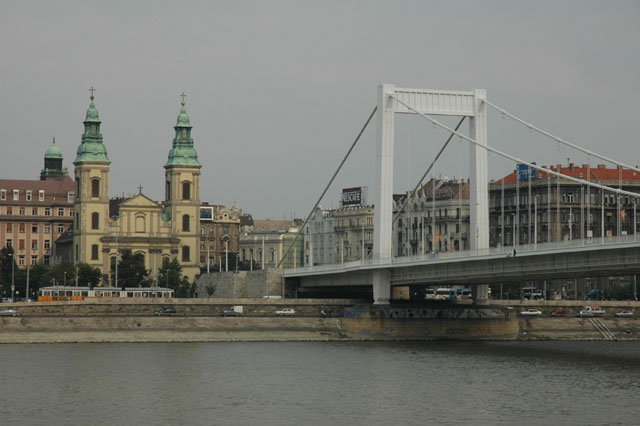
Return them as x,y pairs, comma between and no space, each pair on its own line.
13,284
117,219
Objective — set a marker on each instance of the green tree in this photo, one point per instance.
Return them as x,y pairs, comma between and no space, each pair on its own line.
6,259
131,270
56,274
169,274
88,275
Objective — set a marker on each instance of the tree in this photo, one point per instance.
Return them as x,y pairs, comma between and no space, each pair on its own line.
6,258
88,275
56,274
131,270
169,274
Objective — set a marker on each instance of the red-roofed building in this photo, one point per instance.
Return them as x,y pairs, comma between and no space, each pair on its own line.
34,213
549,208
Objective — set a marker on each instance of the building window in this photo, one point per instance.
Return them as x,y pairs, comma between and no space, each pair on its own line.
34,211
71,196
211,230
186,190
34,260
95,187
94,252
60,211
47,229
22,211
9,211
21,260
41,195
3,194
185,223
47,244
47,211
168,191
28,195
20,244
9,242
9,227
71,212
21,228
47,260
95,220
185,254
202,230
34,228
140,225
60,229
16,195
34,244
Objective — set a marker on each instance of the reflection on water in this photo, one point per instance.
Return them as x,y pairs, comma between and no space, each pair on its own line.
572,383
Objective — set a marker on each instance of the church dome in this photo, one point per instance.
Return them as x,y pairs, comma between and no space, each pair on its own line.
53,151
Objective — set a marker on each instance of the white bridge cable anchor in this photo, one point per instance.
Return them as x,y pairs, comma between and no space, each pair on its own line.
559,139
516,159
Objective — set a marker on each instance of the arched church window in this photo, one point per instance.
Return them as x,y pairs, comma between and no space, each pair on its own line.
95,220
185,254
95,187
185,223
186,190
168,191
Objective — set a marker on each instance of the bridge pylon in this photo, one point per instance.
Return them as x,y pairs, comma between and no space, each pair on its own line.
429,102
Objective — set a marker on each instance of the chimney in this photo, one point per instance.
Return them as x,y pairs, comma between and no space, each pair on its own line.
570,167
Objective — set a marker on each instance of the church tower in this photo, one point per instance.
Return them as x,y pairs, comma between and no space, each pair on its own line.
52,163
182,195
92,192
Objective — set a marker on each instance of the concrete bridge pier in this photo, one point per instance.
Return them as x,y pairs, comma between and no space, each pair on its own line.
381,287
480,294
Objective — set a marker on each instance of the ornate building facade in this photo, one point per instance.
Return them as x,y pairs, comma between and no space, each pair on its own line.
35,213
156,231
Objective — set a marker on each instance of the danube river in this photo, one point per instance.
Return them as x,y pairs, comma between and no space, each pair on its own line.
336,383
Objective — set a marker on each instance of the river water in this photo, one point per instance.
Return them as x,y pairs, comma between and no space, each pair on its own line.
336,383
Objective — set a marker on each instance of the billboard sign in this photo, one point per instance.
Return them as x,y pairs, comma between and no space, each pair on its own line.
523,172
206,212
353,196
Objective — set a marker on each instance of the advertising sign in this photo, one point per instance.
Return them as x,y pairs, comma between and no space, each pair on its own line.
523,172
206,212
352,196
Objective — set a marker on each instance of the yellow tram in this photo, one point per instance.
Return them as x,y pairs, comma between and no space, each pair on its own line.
69,293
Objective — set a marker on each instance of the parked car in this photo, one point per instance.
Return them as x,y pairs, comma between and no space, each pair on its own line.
168,311
559,313
589,311
286,311
624,313
9,312
531,313
230,313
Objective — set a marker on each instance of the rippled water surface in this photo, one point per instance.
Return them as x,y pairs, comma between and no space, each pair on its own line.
526,383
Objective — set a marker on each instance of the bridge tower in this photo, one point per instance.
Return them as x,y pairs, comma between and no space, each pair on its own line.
429,102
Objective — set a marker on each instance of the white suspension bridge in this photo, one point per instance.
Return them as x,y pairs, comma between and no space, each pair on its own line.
481,264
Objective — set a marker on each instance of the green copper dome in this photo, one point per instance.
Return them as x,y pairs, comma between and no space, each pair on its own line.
53,151
92,150
183,153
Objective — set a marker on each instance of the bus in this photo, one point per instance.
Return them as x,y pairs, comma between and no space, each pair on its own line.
532,293
70,293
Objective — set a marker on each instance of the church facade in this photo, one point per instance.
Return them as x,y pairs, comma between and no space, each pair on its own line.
103,227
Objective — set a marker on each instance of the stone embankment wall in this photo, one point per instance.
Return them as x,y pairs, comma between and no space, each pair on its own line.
256,284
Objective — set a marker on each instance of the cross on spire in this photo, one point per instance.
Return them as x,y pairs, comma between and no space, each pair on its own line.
92,90
139,189
182,95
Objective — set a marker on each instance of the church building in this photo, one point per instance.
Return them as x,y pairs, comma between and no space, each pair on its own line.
103,227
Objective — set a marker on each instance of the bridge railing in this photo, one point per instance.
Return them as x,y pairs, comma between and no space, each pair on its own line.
521,249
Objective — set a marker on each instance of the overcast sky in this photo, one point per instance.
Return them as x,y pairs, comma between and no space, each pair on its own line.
277,91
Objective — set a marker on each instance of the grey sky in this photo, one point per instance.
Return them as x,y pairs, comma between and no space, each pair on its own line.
276,91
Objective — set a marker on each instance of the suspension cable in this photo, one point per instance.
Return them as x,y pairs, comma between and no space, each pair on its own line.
327,187
412,193
559,139
516,159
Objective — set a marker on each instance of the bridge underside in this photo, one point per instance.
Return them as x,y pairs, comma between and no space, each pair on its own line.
493,269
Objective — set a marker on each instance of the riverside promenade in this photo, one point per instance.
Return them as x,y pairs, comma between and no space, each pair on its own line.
199,320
